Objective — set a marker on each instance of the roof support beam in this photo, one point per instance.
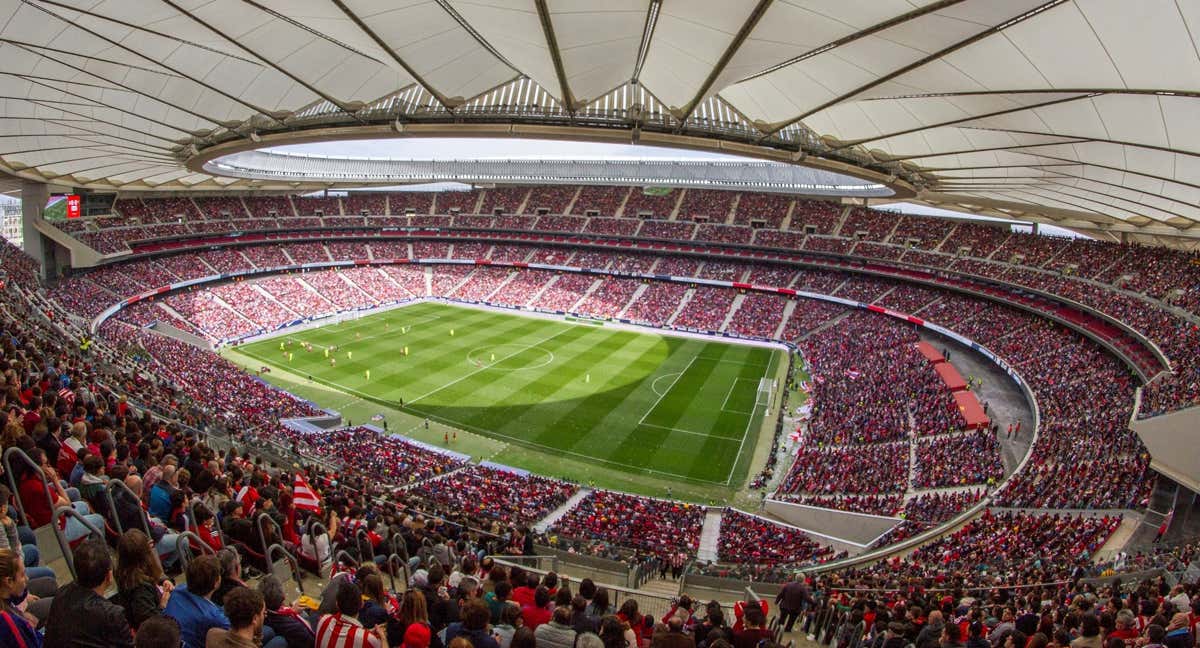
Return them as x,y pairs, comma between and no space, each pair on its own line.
211,120
1014,147
850,38
568,99
952,122
122,46
236,43
1101,140
652,12
919,63
731,50
385,46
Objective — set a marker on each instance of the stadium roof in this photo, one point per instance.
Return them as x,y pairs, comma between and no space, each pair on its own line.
1082,113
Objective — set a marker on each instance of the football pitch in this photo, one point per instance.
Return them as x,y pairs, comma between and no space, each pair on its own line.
677,408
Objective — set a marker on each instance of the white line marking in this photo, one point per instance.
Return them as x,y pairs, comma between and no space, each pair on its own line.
484,368
555,450
654,385
732,389
669,388
699,434
749,421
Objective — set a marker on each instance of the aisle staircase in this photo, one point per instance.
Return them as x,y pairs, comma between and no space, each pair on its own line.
710,534
558,513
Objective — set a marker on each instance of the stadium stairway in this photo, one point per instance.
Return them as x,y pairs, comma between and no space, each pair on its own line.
733,309
710,533
556,514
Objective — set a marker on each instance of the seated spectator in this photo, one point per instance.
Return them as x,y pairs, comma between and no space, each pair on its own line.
191,606
18,628
158,632
537,612
559,632
342,629
283,621
231,575
473,626
84,600
141,587
245,610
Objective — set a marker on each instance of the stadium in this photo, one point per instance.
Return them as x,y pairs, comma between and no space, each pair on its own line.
634,324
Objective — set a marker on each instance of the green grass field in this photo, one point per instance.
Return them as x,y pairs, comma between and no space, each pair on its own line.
673,409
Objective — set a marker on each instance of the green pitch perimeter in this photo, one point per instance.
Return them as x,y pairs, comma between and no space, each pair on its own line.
671,407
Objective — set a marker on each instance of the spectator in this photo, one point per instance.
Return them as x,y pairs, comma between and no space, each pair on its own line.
142,590
191,605
558,632
84,599
342,629
18,628
473,626
245,610
672,635
158,632
284,622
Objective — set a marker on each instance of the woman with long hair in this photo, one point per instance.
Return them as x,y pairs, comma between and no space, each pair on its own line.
413,609
375,601
16,627
141,588
641,625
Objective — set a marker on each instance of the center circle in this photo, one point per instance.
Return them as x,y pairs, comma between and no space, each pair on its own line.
486,357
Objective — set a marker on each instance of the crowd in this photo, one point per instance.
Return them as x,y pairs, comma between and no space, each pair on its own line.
494,498
872,469
958,460
923,511
750,539
640,522
707,309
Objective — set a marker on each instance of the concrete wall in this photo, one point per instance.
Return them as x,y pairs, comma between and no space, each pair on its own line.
1171,439
843,530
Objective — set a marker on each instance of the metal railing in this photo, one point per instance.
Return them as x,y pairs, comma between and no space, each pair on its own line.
183,548
655,606
61,536
116,484
12,481
293,565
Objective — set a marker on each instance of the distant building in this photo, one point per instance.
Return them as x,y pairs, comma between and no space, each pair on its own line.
10,223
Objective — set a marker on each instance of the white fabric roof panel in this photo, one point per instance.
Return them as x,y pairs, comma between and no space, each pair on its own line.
1085,105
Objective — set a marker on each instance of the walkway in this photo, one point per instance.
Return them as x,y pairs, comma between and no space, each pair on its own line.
710,534
556,514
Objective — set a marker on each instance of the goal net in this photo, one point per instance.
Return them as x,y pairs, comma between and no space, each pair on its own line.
766,389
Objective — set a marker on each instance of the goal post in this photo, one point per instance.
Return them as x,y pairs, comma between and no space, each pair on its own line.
766,389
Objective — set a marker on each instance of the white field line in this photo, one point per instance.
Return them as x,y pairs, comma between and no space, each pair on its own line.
668,390
682,431
486,367
732,389
562,451
749,422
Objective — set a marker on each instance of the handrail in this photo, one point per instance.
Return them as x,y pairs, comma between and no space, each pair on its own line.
183,548
262,534
293,564
342,554
313,525
63,543
361,537
12,480
393,560
114,484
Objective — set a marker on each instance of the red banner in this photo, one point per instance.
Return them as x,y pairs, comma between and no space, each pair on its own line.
74,202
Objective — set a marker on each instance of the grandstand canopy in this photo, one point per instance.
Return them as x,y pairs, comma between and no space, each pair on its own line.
1081,113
